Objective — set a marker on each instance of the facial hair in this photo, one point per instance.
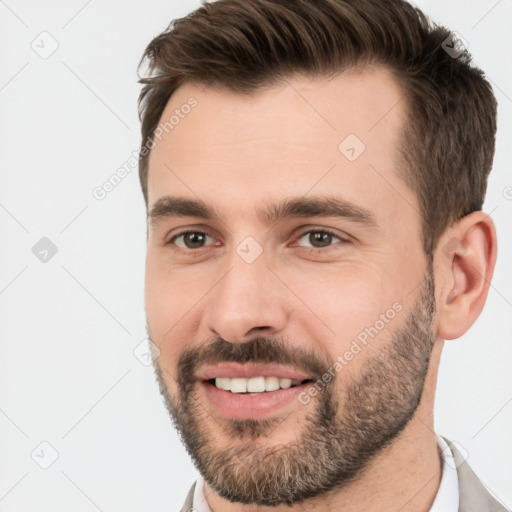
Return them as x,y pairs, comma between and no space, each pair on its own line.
334,444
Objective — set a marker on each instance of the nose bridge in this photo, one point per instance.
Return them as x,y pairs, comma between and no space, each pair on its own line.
246,298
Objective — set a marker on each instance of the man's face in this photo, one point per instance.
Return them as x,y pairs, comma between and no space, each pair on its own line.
312,257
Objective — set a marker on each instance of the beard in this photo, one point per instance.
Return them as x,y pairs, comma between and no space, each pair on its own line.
334,443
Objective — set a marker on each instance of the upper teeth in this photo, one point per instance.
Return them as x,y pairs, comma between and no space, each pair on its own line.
254,384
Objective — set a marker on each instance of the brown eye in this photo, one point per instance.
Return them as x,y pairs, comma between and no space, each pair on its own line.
318,239
190,240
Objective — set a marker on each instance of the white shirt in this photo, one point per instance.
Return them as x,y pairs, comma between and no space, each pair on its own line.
447,497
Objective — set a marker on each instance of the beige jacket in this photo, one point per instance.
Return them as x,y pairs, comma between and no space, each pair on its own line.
474,497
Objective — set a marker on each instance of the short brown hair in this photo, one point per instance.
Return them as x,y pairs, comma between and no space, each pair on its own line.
244,45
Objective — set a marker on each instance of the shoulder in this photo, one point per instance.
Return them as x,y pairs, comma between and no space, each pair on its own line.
189,500
473,496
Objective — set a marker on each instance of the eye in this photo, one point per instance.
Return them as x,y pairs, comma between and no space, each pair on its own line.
190,239
319,239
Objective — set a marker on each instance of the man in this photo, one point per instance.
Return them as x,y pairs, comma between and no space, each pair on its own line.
314,173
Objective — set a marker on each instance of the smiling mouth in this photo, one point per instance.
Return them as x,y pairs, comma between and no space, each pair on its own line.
254,385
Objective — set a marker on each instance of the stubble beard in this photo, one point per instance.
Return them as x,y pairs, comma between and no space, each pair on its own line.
337,439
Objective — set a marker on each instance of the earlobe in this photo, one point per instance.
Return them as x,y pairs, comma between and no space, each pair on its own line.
466,256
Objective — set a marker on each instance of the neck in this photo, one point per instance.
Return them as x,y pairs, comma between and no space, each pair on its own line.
405,476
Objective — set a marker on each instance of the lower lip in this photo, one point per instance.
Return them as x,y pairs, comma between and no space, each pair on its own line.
240,406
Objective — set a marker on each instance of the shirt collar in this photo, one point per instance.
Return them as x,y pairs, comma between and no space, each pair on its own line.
447,497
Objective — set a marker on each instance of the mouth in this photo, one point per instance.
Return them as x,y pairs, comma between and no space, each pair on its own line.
251,391
255,385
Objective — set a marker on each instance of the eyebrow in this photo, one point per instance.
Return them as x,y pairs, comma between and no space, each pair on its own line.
173,206
294,207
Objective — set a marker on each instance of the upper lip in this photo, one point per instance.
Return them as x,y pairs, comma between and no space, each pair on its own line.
248,370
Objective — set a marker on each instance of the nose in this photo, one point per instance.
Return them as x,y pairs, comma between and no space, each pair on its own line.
247,302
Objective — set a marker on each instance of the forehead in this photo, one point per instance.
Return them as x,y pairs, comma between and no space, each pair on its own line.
328,135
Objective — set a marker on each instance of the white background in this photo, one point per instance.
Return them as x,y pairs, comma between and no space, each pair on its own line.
68,374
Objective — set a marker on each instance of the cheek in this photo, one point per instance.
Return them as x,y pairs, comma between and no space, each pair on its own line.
174,302
349,302
167,292
167,301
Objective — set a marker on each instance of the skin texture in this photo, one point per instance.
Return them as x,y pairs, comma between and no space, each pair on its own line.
238,154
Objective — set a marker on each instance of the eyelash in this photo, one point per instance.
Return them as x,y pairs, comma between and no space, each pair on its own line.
296,238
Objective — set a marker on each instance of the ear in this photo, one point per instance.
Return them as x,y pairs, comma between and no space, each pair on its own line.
464,262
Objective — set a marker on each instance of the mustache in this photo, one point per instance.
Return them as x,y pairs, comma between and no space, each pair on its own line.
262,350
